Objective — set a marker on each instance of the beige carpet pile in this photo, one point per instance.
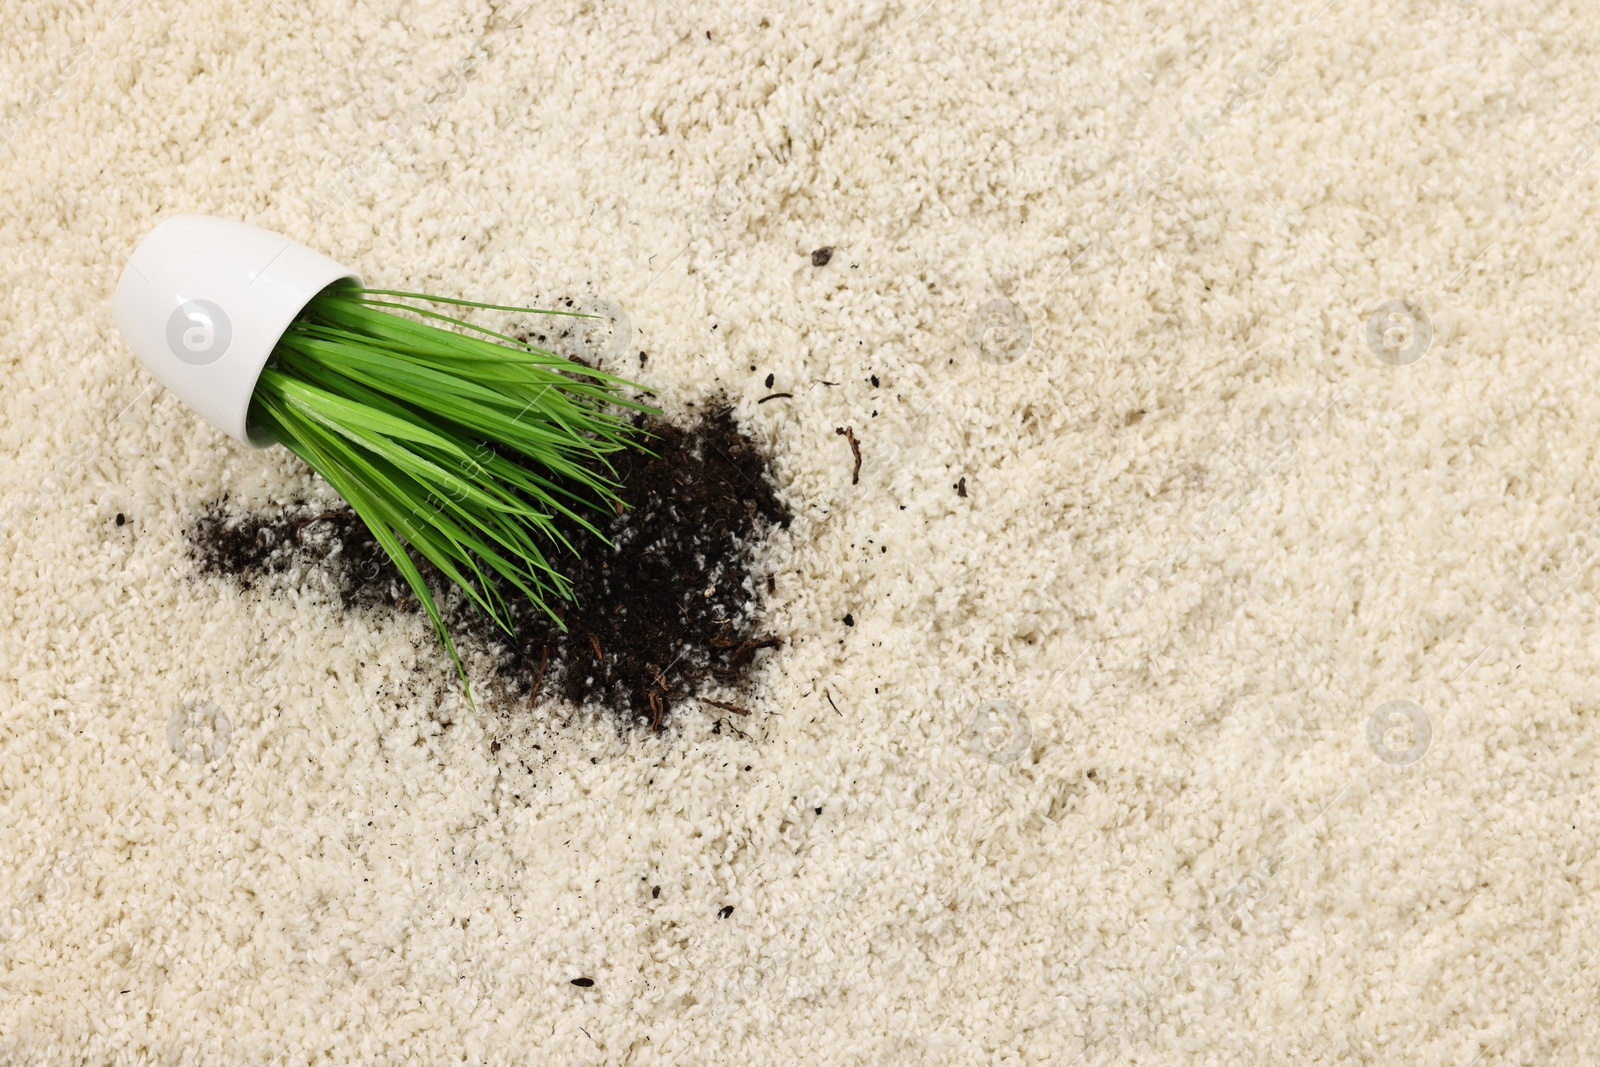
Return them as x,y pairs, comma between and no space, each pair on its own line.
1203,669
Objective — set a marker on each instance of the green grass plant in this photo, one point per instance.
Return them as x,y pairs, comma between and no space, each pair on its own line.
463,444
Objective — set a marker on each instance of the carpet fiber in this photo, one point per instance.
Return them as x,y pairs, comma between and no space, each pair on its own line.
1201,670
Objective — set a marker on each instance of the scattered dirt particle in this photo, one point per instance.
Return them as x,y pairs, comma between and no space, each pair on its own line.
849,620
725,912
583,983
849,434
820,257
655,892
961,487
1133,418
874,381
770,379
121,518
724,705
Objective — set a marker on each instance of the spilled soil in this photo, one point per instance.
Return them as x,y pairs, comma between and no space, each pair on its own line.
669,611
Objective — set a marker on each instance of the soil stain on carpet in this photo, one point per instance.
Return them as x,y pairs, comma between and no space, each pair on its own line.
670,610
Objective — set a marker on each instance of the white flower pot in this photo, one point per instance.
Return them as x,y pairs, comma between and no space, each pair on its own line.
203,302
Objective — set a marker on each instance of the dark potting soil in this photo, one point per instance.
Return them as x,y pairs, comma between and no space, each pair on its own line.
669,611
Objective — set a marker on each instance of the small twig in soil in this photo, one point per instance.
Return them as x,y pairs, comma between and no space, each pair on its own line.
849,434
748,649
655,710
663,672
723,705
594,642
775,396
300,524
544,661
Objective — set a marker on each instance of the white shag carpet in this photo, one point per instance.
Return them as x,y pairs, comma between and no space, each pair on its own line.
1222,682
